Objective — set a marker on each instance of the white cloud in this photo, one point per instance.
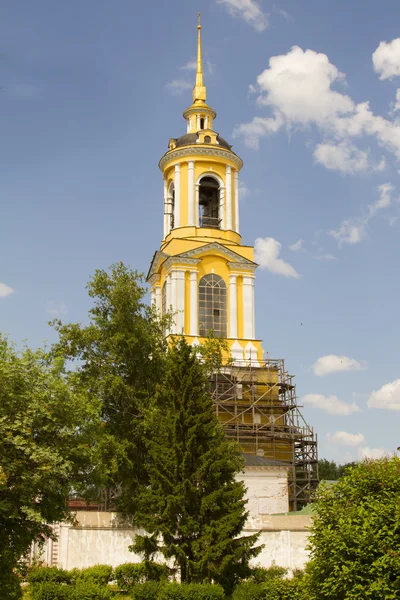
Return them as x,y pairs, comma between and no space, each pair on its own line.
330,404
58,310
352,231
373,453
387,397
243,190
343,438
325,257
178,86
5,290
386,59
343,157
299,88
191,65
332,363
248,10
297,246
267,255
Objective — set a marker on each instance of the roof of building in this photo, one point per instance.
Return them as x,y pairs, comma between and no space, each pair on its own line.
191,138
252,460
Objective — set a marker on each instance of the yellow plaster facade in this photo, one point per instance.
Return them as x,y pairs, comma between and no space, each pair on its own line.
202,272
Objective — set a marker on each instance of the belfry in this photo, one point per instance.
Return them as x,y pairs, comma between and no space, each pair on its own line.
204,275
202,272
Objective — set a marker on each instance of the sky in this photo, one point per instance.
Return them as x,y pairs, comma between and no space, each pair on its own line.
309,95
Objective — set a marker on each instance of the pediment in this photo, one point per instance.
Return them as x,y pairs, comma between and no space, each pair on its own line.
220,249
158,258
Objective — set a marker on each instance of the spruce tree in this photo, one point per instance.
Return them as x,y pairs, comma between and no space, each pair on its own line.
193,504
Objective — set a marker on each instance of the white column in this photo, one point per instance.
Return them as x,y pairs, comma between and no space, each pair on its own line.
196,205
180,301
236,177
198,122
248,307
228,201
173,300
158,299
191,192
233,329
177,207
222,207
206,123
168,295
194,306
166,217
152,297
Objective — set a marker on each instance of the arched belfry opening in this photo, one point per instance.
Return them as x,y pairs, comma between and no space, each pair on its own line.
209,194
213,306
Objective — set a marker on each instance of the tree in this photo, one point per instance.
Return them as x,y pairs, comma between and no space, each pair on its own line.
193,502
45,430
119,356
329,470
355,536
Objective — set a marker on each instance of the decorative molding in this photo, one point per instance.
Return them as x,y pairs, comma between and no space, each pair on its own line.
193,110
158,257
242,266
220,248
195,150
180,259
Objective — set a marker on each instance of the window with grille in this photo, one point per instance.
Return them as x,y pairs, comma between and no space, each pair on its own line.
213,310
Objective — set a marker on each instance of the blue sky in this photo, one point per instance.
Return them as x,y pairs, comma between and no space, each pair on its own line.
91,93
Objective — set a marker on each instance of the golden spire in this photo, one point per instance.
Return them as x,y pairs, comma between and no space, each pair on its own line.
199,90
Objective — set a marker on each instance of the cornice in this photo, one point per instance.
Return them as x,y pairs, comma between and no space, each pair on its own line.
238,260
180,259
197,150
242,265
199,109
155,263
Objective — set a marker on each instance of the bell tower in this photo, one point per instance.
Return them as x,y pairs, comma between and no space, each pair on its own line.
202,271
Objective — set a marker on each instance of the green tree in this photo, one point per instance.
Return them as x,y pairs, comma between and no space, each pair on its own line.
330,470
193,501
355,536
45,429
120,357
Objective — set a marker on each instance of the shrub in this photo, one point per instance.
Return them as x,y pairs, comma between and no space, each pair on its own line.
97,574
50,590
9,584
262,574
129,574
285,589
149,590
249,591
89,590
46,574
191,591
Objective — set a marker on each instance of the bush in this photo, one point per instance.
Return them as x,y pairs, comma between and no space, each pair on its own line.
191,591
89,590
129,574
97,574
249,591
262,574
285,589
47,574
50,590
9,584
150,590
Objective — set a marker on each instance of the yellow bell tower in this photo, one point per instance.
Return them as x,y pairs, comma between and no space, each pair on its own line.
202,272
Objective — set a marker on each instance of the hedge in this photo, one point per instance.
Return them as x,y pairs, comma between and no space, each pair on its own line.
130,574
50,590
47,574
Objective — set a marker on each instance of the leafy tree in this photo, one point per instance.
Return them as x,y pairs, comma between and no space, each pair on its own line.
355,536
193,501
330,470
45,429
119,356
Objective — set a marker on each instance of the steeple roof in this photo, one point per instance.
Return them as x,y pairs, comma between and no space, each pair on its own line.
199,90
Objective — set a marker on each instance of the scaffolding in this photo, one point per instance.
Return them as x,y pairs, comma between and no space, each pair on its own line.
257,406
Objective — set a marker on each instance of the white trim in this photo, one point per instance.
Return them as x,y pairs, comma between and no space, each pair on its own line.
233,316
250,354
177,187
168,296
194,307
158,299
237,221
237,353
196,205
152,297
180,300
228,197
248,307
191,201
222,206
166,217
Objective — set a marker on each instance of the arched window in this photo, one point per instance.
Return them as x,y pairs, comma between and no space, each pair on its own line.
213,310
171,205
209,203
202,123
